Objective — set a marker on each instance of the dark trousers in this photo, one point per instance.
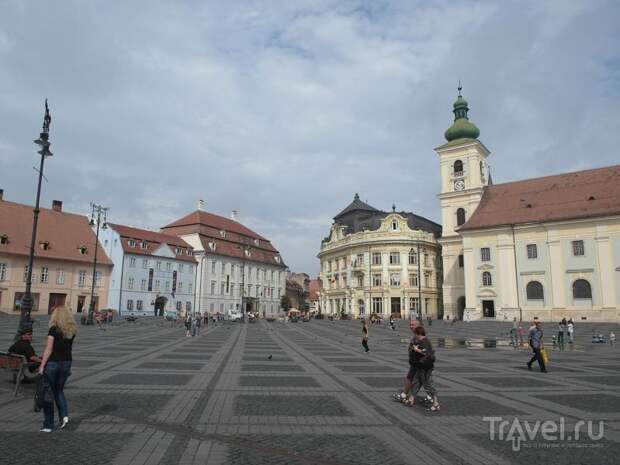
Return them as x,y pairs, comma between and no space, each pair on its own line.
56,374
365,344
538,357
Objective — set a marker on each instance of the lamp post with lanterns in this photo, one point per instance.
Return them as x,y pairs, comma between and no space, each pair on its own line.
25,322
96,211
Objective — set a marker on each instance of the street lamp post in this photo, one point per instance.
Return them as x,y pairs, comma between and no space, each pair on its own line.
25,322
99,211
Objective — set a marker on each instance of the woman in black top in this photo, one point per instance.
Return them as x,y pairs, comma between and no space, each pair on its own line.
56,365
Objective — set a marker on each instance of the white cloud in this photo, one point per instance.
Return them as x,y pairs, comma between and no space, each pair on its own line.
285,111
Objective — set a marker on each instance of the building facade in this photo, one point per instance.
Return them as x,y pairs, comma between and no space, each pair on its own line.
545,247
297,291
63,263
382,263
153,272
237,269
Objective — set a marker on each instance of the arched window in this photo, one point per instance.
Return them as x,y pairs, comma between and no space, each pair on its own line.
460,216
534,291
582,289
486,279
458,168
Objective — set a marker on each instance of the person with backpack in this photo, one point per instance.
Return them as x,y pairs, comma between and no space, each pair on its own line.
423,361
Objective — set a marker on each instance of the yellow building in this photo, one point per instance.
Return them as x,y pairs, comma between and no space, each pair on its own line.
547,247
63,262
380,262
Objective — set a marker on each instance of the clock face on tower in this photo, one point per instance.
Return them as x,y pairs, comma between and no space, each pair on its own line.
459,185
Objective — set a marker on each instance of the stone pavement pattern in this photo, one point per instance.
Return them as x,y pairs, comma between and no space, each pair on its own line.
144,394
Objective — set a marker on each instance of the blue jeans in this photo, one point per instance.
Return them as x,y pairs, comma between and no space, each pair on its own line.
56,374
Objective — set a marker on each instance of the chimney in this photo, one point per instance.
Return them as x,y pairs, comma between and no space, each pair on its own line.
1,193
201,205
234,215
57,205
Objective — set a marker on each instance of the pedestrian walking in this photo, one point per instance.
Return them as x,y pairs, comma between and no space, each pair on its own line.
56,365
365,335
612,338
570,327
193,325
198,324
562,331
392,323
513,332
403,396
423,361
520,332
536,343
188,325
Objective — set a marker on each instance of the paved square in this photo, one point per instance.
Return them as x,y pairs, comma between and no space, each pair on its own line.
146,394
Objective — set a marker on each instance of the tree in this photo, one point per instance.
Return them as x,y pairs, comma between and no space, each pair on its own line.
284,303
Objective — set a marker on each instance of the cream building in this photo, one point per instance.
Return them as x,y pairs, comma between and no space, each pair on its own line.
546,247
382,263
62,271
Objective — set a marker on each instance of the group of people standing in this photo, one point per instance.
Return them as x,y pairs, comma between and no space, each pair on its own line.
193,324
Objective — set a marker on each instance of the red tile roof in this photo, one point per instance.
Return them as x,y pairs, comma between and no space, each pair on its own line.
581,194
229,237
153,241
64,232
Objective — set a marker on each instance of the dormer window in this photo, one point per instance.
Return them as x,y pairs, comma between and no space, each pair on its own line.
247,252
394,225
4,239
83,249
45,245
222,233
143,245
179,251
212,246
277,258
256,242
131,243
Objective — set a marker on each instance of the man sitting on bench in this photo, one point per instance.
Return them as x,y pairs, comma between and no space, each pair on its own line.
24,347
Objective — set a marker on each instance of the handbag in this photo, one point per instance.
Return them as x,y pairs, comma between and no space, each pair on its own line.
42,393
544,355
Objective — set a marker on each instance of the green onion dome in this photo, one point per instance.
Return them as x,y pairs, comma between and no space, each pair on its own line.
462,128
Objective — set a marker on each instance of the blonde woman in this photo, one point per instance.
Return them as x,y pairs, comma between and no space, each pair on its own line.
56,365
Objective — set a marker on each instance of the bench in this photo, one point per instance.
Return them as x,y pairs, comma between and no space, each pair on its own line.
17,364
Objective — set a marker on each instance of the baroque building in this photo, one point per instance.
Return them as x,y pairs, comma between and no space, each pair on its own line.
545,247
376,262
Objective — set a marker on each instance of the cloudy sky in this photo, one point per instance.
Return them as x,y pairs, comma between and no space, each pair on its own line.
284,110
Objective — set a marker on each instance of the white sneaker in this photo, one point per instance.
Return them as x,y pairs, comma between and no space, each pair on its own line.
45,430
65,422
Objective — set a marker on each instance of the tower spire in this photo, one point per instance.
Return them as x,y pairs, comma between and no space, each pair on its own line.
462,128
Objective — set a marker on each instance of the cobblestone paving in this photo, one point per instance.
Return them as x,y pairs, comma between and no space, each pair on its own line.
143,393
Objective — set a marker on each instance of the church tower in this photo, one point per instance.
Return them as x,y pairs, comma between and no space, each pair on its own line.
464,173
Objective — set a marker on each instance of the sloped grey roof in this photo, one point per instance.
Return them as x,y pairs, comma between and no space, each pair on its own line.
356,205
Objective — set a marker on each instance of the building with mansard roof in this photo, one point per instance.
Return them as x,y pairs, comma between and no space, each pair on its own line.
238,269
545,247
377,262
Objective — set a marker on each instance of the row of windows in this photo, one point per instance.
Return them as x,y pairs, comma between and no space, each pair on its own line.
228,288
140,305
258,274
44,276
158,264
157,285
144,245
272,307
534,289
395,280
376,259
578,249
